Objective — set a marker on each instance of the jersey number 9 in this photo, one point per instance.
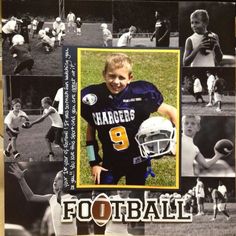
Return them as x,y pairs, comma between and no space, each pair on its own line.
119,138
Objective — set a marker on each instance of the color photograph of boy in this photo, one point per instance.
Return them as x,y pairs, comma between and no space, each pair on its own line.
31,142
219,162
114,110
202,34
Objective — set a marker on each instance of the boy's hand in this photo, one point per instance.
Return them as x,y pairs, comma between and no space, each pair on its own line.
96,173
16,171
15,131
26,125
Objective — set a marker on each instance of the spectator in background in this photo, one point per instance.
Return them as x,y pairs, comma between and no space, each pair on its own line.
162,31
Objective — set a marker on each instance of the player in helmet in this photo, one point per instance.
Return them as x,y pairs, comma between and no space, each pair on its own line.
78,23
22,54
125,39
107,36
115,110
47,42
59,30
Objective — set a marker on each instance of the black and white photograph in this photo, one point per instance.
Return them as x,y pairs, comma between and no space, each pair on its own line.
145,24
38,200
33,118
34,32
211,201
203,34
208,146
208,91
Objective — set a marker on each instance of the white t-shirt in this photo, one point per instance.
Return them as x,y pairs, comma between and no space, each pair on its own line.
200,59
54,117
197,86
210,82
61,229
106,35
71,17
9,27
14,120
58,27
222,189
188,154
124,40
200,189
59,99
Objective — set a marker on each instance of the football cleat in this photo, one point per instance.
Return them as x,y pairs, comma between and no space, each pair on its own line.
156,137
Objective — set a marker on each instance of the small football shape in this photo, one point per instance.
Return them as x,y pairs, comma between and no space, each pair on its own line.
224,146
26,125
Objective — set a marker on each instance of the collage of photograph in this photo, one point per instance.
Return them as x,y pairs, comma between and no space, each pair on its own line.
151,85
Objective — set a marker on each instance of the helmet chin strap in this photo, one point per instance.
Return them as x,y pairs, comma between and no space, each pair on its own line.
149,168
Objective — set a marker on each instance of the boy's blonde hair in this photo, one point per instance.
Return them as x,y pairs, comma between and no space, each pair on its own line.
202,14
197,118
15,101
132,29
118,60
47,100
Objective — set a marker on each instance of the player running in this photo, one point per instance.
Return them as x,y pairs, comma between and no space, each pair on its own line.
115,110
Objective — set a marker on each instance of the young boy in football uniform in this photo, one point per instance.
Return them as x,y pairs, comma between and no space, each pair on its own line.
107,35
13,120
192,160
202,48
55,132
59,30
22,54
115,110
54,200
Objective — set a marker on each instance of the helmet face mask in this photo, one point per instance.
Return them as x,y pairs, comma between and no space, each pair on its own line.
156,137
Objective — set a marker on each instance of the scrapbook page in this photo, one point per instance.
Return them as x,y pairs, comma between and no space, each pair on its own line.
118,117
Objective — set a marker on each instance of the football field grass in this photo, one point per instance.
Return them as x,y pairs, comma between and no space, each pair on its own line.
31,143
200,226
189,106
159,68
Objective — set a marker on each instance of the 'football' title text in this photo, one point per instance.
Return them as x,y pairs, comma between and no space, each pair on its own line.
102,209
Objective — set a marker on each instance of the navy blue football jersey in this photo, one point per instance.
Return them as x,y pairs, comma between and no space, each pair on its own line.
117,117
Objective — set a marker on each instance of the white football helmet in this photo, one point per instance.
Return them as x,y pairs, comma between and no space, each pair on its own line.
41,33
103,26
156,137
58,19
18,39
